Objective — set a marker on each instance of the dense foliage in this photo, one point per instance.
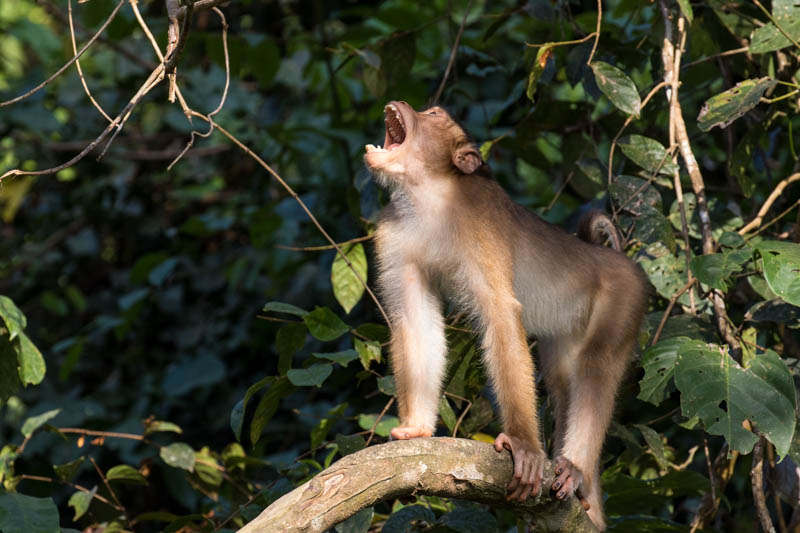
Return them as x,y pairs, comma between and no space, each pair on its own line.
206,349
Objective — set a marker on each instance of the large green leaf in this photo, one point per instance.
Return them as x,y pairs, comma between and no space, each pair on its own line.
324,325
658,363
723,395
769,38
347,288
343,358
618,87
268,406
26,514
35,422
384,426
12,316
715,269
724,108
647,153
31,363
782,268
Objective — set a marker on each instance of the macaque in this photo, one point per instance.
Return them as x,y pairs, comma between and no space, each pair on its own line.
451,230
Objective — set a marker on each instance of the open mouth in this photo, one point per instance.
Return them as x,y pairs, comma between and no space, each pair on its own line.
395,130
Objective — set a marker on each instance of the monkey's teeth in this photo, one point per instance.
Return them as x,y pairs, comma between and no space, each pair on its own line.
373,148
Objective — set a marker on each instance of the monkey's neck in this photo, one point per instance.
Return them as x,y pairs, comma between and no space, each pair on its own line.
425,197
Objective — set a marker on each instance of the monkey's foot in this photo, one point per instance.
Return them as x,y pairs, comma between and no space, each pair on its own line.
528,467
410,432
568,480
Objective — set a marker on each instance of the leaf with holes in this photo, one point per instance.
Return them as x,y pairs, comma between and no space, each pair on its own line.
782,268
347,287
723,395
715,269
658,362
618,87
724,108
647,153
768,38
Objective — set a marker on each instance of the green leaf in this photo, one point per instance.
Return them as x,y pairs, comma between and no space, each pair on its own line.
237,413
31,363
157,426
724,108
80,501
447,413
350,443
280,307
647,153
324,325
384,427
9,375
618,87
715,270
368,351
723,394
782,268
179,455
655,444
267,407
686,8
289,340
342,358
35,422
358,523
542,57
68,470
26,514
126,474
12,316
315,375
387,385
658,362
769,38
402,520
347,288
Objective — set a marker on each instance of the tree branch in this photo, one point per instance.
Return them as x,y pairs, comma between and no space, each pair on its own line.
448,467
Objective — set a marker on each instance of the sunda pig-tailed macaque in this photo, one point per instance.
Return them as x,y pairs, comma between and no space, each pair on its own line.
451,229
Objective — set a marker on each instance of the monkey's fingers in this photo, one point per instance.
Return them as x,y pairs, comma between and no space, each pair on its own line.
568,480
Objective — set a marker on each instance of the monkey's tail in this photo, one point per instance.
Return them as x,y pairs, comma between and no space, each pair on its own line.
597,228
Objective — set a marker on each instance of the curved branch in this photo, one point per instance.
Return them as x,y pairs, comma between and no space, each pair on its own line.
457,468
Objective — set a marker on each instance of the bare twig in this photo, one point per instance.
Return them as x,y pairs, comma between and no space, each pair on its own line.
667,311
757,483
323,247
202,5
774,220
596,31
452,55
66,65
756,222
106,483
216,110
563,43
378,420
735,51
106,434
96,496
78,64
463,413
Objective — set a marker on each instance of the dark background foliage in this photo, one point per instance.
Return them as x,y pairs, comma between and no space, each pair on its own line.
145,288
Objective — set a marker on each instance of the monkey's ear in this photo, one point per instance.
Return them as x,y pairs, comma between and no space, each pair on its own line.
467,159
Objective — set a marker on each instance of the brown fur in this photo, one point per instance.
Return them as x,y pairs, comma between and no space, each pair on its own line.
448,225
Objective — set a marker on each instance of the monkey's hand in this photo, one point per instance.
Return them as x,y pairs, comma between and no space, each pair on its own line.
568,480
410,432
528,467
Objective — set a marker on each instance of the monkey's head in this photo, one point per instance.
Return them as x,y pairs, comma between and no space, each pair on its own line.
421,144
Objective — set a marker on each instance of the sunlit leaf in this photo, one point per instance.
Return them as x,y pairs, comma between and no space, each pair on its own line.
544,54
384,426
347,288
715,269
35,422
724,108
179,455
80,501
658,363
647,153
618,87
342,358
368,351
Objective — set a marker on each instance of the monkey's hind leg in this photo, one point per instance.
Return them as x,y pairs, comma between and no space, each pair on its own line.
418,350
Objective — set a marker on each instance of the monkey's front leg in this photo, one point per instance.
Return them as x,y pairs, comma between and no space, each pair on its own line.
510,367
418,350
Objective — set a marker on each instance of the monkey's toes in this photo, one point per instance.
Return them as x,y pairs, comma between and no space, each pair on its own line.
410,432
569,480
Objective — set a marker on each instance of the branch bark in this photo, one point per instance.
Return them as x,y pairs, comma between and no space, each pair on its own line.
457,468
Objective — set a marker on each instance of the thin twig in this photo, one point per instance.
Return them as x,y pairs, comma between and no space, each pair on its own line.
716,56
146,29
596,31
107,434
377,420
452,55
78,63
96,496
756,222
323,247
563,43
106,483
774,220
667,311
772,19
757,483
463,413
66,65
216,110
